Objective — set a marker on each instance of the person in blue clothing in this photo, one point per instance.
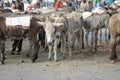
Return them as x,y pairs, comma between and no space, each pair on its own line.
71,5
102,3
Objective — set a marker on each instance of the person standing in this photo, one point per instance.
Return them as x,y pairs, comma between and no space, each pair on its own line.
30,6
13,5
102,3
94,2
73,5
79,3
19,5
57,4
89,6
70,5
83,5
17,44
36,4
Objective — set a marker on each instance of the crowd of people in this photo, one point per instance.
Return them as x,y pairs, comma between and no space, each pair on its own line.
58,4
73,5
82,5
18,5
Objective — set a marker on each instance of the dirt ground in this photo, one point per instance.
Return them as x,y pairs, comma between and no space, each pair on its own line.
82,67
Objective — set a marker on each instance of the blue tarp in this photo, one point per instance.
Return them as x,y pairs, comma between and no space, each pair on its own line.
109,1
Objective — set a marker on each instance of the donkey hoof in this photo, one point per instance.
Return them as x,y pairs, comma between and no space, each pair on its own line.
63,57
4,58
33,61
27,55
49,59
12,53
107,41
95,49
46,49
36,57
55,60
116,60
78,52
70,58
91,50
112,61
18,53
2,62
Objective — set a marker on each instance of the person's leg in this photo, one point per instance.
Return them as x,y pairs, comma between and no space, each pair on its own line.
14,46
19,44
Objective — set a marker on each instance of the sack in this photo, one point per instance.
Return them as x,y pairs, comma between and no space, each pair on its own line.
15,32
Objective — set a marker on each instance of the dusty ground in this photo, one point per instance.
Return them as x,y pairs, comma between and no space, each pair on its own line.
82,67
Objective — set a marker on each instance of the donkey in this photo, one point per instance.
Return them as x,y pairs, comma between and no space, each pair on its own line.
74,31
32,37
54,29
114,30
92,24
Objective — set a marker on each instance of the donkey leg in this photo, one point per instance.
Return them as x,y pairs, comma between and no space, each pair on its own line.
78,38
113,55
50,51
20,42
81,40
2,52
46,46
43,43
86,36
14,47
35,52
30,49
63,46
70,52
55,50
82,37
100,36
96,39
2,58
71,42
106,37
92,41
